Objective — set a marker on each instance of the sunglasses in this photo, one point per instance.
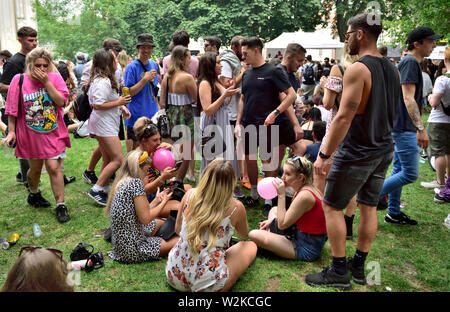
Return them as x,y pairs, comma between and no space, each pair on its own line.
347,35
294,159
57,252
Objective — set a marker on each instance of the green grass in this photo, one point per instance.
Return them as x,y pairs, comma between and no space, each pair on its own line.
411,259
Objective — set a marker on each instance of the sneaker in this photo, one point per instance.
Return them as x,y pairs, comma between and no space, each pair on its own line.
249,202
383,203
20,178
447,221
401,219
68,180
329,277
190,178
62,214
90,177
358,275
265,210
99,197
432,184
36,200
237,193
439,199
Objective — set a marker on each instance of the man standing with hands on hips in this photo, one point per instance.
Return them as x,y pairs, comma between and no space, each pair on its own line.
141,79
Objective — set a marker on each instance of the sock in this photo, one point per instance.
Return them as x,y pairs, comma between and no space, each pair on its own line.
340,265
254,192
359,259
98,188
59,204
35,191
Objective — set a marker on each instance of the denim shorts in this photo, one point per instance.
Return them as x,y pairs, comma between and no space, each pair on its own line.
366,179
308,247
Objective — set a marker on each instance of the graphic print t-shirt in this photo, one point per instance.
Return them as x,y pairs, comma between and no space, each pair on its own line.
40,129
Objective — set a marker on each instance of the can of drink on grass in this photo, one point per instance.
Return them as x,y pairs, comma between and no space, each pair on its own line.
11,242
80,264
4,243
125,91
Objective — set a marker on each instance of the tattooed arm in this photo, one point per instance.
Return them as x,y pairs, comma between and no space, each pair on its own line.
408,90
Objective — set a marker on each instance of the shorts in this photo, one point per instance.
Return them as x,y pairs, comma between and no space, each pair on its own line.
60,156
308,247
286,136
365,178
439,134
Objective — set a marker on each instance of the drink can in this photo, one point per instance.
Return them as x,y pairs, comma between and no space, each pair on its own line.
4,243
80,264
13,239
125,91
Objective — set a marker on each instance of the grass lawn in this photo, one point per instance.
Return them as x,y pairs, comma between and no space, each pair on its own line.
410,259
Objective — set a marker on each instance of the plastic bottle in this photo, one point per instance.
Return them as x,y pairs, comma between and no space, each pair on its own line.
4,243
37,230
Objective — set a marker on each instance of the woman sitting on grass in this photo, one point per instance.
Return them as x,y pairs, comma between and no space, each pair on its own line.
203,260
133,220
305,213
149,140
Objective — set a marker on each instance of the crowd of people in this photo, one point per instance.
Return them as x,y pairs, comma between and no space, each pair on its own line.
342,120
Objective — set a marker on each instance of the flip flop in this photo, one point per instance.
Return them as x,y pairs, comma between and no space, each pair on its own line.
247,185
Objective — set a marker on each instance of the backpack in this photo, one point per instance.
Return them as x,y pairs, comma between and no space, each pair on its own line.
81,107
446,109
308,74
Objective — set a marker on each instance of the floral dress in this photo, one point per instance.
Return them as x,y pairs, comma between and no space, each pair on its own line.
206,271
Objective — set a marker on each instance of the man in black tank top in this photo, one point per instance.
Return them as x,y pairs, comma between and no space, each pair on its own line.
362,127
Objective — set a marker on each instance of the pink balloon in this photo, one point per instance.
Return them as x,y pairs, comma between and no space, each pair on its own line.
163,158
266,189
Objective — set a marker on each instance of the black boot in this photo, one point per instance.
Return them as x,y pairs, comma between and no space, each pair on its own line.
349,225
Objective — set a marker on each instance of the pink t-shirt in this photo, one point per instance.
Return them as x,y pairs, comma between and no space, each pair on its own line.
193,66
40,129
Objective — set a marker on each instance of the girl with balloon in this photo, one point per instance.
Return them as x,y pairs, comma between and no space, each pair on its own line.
305,214
163,166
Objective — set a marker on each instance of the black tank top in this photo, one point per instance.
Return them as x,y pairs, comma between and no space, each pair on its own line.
369,136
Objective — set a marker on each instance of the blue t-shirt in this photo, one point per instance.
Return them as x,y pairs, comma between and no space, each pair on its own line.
143,103
312,151
410,72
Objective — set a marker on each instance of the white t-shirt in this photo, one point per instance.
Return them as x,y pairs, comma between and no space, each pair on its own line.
103,123
232,107
441,86
325,113
427,84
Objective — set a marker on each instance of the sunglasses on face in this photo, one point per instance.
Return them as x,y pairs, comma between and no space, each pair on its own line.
57,252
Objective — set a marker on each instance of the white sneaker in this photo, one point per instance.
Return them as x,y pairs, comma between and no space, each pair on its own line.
432,184
447,221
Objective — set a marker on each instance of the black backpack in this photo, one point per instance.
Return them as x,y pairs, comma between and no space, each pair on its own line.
81,106
308,74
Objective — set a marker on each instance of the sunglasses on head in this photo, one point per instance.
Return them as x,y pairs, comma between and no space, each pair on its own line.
57,252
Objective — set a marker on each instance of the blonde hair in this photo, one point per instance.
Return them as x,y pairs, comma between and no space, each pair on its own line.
122,58
130,168
447,53
140,128
303,166
349,60
178,55
209,203
36,54
38,270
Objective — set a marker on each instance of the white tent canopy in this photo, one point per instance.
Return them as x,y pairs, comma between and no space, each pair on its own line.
438,53
318,43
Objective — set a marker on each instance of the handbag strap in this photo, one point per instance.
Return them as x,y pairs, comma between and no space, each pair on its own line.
20,89
167,92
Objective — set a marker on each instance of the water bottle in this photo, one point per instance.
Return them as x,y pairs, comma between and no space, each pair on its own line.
37,230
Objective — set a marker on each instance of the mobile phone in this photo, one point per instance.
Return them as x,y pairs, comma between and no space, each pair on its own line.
178,164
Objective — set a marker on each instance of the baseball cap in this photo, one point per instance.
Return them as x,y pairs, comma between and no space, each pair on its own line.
421,33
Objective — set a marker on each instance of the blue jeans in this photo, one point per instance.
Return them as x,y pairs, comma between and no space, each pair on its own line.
405,169
308,247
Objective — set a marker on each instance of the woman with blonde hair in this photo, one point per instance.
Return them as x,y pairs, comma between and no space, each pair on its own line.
178,94
36,122
149,139
122,59
203,260
38,270
332,96
133,219
298,231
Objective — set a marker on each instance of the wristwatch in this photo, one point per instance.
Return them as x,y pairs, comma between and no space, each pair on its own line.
323,156
420,127
276,112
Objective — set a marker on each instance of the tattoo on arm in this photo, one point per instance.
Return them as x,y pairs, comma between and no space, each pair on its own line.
353,106
413,111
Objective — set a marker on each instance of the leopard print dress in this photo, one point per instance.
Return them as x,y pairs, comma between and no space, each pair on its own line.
132,241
